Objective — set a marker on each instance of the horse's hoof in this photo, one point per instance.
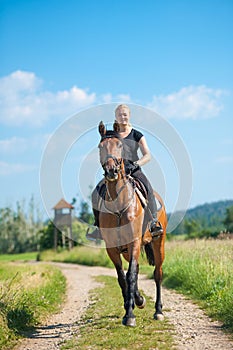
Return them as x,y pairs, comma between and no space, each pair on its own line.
129,321
158,317
143,303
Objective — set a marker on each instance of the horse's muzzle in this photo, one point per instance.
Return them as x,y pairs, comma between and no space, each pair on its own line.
111,174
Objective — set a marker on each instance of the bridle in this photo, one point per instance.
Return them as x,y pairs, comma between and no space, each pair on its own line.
117,169
117,165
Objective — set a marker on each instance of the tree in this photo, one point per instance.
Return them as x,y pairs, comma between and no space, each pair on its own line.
19,230
192,228
85,214
228,221
79,232
47,236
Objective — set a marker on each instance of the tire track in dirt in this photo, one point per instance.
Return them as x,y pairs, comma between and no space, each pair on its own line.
193,329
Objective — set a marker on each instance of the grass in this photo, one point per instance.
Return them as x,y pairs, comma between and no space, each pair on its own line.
101,328
89,256
79,255
202,269
17,257
28,293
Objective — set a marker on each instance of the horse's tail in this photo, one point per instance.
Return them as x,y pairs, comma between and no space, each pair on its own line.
149,254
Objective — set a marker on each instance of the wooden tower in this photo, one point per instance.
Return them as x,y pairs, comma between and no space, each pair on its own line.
63,222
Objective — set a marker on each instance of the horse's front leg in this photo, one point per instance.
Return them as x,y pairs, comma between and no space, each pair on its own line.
121,280
114,255
140,301
131,279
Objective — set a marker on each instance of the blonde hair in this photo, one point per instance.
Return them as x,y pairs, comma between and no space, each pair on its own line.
120,107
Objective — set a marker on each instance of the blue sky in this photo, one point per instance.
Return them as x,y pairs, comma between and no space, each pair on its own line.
62,58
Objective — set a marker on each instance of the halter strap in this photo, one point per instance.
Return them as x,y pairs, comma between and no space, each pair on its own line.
110,134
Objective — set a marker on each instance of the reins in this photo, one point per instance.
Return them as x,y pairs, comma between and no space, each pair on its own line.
118,162
120,212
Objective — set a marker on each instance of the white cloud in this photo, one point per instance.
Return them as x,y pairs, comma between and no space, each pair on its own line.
191,102
123,98
17,145
108,98
13,168
23,100
19,82
13,145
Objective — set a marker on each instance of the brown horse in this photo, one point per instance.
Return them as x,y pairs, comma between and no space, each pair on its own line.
121,222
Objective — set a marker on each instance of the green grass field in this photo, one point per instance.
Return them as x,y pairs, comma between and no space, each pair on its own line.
19,257
202,269
28,293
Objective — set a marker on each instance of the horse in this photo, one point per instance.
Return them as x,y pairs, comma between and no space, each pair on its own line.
121,216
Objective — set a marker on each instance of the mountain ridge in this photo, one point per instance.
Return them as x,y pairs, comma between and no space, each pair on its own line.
205,216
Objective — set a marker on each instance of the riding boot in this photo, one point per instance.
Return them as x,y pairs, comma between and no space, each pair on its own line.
155,227
96,234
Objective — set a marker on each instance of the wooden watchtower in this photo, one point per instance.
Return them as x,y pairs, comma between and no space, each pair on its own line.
63,223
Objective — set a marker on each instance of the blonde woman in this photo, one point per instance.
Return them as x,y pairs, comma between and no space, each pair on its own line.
133,140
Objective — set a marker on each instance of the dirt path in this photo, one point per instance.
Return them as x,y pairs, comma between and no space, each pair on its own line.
194,330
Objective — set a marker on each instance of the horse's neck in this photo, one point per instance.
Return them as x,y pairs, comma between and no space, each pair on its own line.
116,188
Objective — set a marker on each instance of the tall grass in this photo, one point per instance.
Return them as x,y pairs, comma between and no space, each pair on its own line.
79,255
89,256
203,270
27,295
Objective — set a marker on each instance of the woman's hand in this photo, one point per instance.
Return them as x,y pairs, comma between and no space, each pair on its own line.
132,167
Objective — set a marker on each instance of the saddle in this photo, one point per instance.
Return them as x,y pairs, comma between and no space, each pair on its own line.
137,185
140,190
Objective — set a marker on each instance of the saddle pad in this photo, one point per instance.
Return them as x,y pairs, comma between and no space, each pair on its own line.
158,204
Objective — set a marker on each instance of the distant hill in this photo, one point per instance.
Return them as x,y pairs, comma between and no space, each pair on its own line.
207,216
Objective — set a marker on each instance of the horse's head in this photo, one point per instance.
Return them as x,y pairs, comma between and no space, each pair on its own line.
110,148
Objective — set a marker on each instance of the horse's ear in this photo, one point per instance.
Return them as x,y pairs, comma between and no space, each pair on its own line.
102,129
116,126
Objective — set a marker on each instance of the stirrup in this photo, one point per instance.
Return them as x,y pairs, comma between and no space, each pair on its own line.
156,228
93,236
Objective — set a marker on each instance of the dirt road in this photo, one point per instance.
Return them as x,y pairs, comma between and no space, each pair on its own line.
194,330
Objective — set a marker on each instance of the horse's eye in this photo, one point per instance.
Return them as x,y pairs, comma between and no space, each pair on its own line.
119,145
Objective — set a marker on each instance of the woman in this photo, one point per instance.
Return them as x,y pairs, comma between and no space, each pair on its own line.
132,141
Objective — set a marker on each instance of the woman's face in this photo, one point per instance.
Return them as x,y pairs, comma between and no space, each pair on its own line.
123,116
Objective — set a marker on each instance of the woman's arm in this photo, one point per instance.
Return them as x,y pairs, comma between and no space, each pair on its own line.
146,157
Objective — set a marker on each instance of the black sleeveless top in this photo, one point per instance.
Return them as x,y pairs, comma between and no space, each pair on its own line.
130,145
